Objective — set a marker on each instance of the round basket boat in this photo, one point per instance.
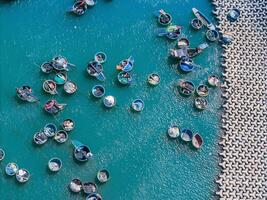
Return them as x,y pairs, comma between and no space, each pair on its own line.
94,68
50,87
183,42
125,78
82,153
68,125
98,91
75,185
233,15
61,136
103,176
213,81
94,196
186,66
109,101
186,88
50,130
153,79
22,175
202,90
100,57
164,19
47,67
196,23
212,35
138,105
79,9
89,187
70,87
60,78
174,32
197,141
40,138
54,164
11,169
2,154
173,132
186,135
60,63
126,65
201,103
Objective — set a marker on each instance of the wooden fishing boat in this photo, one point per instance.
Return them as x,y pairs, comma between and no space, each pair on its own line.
25,94
212,35
183,42
173,131
103,176
94,196
193,52
60,78
126,65
22,175
70,87
40,138
173,32
179,53
81,152
75,185
53,107
61,136
201,103
186,66
233,15
206,22
197,141
61,63
54,164
196,23
50,87
213,81
95,69
68,125
2,154
138,105
153,79
89,187
50,130
186,135
186,88
98,91
109,101
100,57
164,18
202,90
125,78
11,169
47,67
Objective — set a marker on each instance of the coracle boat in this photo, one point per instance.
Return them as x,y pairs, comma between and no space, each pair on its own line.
60,78
95,69
183,42
201,103
202,90
138,105
50,130
212,35
11,169
53,107
2,154
40,138
68,125
75,185
109,101
103,176
94,196
233,15
54,164
70,87
153,79
47,67
125,78
164,18
89,187
60,63
98,91
25,93
186,135
126,65
197,141
206,22
213,81
22,175
173,131
192,52
186,65
61,136
196,23
50,87
81,152
78,8
186,87
100,57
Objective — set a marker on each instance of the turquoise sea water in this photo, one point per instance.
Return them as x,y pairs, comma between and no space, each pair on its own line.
143,162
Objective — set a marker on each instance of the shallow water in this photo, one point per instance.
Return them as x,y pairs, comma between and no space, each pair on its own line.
143,162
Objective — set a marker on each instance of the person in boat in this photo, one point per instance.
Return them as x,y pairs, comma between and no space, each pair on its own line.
68,124
164,17
99,91
126,75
